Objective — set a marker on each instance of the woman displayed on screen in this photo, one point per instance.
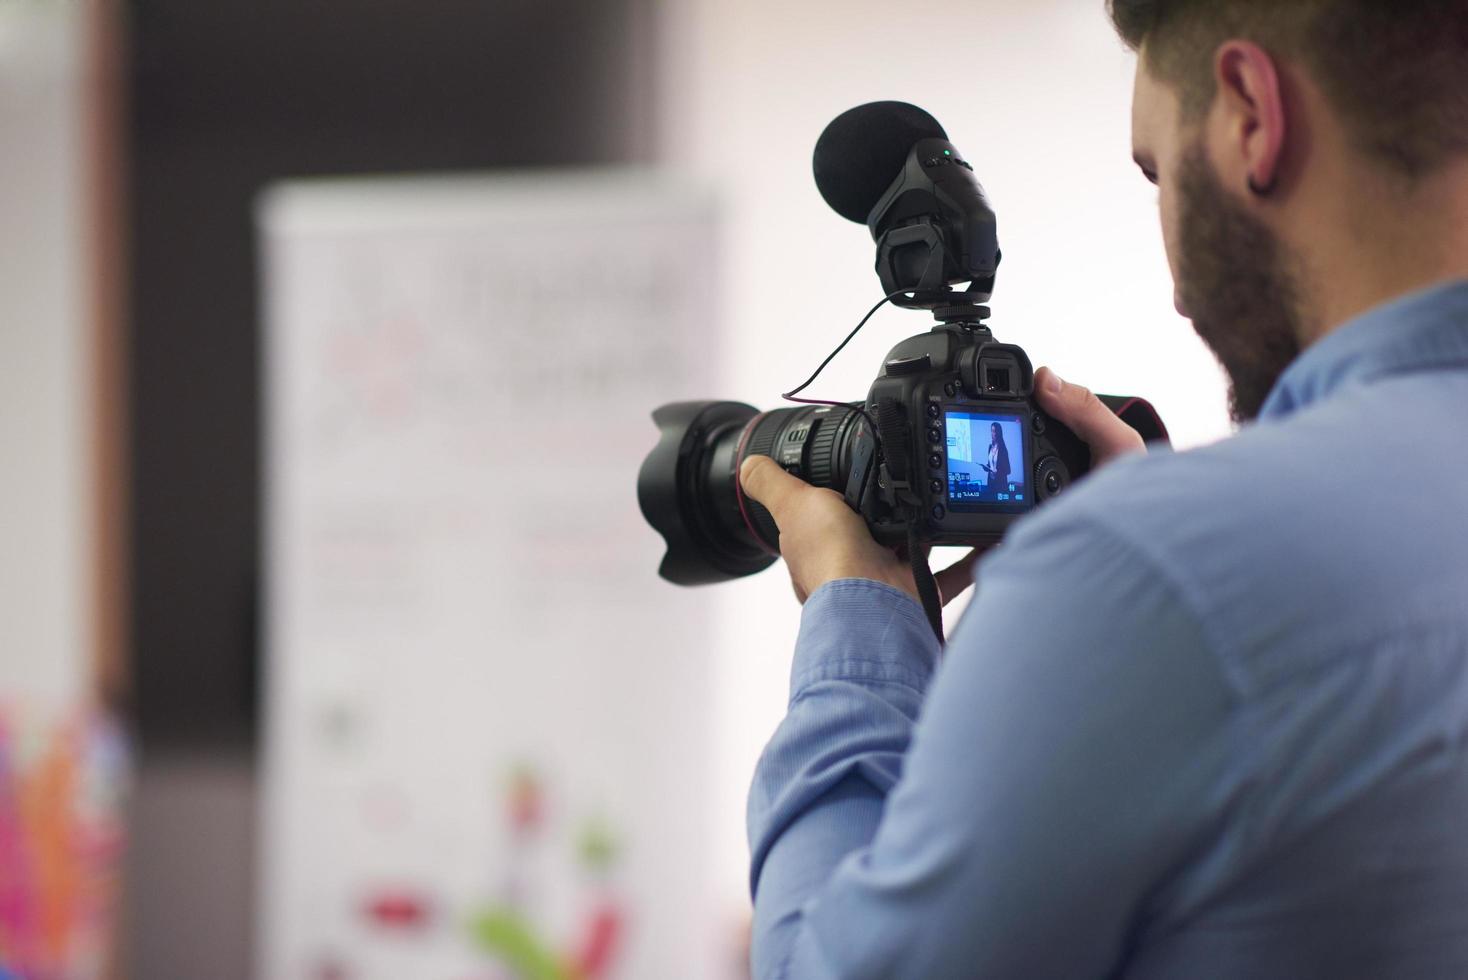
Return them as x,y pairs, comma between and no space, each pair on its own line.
998,465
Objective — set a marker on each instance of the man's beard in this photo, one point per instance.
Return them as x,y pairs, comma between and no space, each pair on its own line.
1237,286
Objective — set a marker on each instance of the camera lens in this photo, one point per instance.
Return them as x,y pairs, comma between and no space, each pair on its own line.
689,491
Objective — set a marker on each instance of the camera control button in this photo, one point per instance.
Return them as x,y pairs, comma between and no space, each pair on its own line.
1051,476
933,410
935,436
1037,422
935,461
936,486
950,389
938,512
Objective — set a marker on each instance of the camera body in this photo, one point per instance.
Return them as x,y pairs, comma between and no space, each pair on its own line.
962,449
948,448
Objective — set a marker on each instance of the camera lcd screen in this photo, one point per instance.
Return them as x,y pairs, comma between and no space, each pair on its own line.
987,469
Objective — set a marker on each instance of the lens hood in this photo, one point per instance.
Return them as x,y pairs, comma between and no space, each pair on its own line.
683,487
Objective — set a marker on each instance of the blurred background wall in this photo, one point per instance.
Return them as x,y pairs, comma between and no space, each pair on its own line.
45,357
210,102
226,97
62,596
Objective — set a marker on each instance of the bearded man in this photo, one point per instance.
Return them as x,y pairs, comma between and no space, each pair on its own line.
1207,714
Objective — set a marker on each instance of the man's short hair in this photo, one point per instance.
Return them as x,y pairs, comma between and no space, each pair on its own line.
1396,71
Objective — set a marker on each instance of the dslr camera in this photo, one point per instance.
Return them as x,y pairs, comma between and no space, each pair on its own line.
949,446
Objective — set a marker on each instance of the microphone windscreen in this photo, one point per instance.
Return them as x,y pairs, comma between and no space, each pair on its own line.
863,150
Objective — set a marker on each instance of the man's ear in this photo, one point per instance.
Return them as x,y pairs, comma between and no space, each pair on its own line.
1253,115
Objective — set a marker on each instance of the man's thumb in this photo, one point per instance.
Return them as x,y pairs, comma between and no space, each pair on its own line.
1086,416
764,480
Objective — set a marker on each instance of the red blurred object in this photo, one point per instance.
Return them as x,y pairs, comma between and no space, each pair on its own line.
398,910
599,944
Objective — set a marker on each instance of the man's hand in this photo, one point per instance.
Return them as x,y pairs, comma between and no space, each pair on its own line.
822,539
1085,415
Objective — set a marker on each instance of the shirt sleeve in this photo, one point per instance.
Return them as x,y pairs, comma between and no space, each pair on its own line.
1015,819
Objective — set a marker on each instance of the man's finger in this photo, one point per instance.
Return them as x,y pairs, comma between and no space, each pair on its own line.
1085,415
956,578
764,480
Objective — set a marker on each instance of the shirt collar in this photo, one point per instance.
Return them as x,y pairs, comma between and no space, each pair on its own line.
1421,330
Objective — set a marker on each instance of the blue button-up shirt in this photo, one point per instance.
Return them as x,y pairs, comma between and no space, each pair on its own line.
1207,715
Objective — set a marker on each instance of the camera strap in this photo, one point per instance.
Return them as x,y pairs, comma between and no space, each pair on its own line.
892,434
927,586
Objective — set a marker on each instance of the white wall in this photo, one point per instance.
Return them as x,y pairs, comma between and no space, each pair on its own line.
44,399
1037,94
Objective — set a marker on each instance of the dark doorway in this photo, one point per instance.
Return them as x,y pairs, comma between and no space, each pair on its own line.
228,96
